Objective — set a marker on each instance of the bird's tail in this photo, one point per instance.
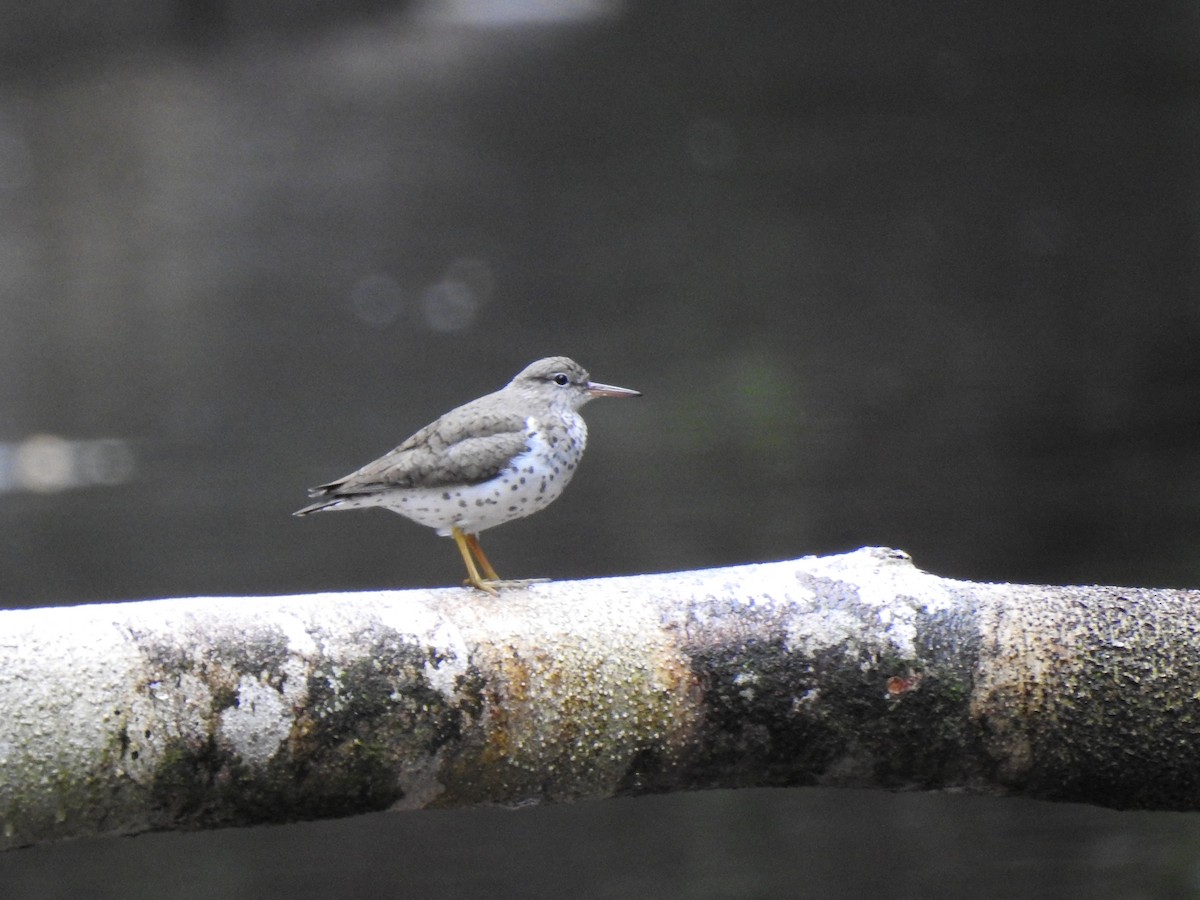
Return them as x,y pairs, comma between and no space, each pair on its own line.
328,491
316,507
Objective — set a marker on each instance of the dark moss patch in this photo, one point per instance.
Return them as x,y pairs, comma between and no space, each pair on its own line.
187,781
758,733
363,724
850,713
928,737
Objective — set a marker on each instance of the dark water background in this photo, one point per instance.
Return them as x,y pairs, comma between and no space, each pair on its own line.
923,276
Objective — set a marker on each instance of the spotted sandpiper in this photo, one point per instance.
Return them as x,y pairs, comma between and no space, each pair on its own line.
495,459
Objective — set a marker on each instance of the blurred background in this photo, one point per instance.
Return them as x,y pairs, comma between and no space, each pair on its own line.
895,274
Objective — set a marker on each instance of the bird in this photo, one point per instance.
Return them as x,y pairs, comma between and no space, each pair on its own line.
500,457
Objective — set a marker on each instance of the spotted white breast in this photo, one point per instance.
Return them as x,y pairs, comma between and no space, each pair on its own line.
529,482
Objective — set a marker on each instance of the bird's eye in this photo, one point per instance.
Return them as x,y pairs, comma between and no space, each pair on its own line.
561,379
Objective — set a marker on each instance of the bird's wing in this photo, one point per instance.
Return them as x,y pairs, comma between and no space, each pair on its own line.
459,448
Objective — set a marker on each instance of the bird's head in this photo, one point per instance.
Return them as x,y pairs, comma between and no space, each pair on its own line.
563,382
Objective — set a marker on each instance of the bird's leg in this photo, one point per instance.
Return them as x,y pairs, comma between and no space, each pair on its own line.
473,543
468,546
494,580
464,542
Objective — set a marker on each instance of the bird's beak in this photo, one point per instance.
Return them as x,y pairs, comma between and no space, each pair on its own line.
608,390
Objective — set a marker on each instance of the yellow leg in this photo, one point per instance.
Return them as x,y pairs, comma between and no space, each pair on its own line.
465,542
473,543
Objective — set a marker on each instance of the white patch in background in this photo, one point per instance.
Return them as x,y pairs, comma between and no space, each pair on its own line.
47,463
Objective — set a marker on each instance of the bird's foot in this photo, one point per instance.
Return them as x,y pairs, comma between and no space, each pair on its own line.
518,583
493,586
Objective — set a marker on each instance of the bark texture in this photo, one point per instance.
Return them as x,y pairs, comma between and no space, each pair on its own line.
856,670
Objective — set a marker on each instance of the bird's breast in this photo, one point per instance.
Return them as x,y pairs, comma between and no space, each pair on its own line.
531,481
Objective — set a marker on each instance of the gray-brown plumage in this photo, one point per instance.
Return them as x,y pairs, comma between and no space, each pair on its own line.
495,459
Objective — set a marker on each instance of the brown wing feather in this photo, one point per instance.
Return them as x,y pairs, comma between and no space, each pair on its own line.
465,446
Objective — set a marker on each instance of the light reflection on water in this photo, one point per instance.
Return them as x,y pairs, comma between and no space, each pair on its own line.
47,463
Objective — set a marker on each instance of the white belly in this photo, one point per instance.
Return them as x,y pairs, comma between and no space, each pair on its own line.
530,483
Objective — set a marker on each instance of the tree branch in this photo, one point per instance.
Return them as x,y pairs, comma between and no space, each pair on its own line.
855,670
